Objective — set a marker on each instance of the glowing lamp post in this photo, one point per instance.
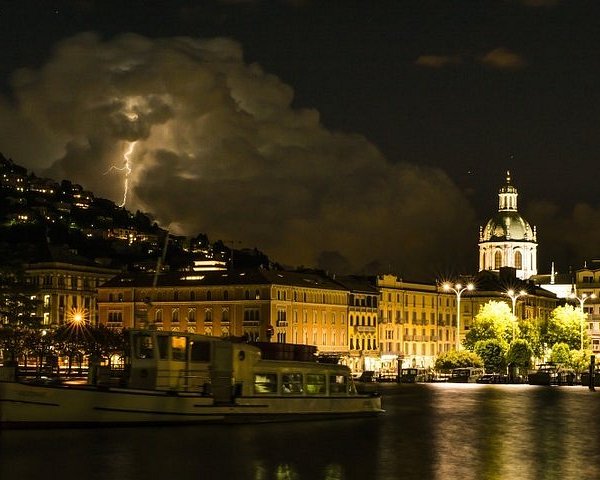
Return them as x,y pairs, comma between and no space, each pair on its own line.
458,289
513,296
582,299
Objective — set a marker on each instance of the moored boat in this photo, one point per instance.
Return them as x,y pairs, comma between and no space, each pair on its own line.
551,374
181,378
465,375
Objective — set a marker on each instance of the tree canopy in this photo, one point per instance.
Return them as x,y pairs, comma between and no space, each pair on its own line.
493,322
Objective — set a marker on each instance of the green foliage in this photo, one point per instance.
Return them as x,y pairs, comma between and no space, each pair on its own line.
564,326
519,354
453,359
492,352
493,322
579,361
529,331
560,354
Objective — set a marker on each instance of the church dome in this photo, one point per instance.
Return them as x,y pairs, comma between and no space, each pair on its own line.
508,225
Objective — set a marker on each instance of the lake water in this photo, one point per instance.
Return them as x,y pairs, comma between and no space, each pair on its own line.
429,431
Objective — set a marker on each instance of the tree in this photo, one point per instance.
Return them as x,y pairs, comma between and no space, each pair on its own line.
579,360
519,354
564,326
493,322
453,359
529,331
560,353
492,352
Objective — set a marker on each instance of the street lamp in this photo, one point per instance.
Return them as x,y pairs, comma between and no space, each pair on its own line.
582,299
513,296
458,289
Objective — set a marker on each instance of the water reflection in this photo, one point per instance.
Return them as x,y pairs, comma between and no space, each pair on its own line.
436,431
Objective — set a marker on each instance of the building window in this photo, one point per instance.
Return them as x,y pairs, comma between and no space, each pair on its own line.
192,295
518,260
175,315
225,316
208,296
497,260
251,315
191,317
209,317
115,317
158,316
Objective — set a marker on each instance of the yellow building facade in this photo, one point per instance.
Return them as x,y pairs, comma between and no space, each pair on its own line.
260,305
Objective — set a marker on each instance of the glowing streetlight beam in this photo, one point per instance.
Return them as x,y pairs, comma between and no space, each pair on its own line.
125,168
458,289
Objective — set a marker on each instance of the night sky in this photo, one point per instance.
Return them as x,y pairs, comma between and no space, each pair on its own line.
351,136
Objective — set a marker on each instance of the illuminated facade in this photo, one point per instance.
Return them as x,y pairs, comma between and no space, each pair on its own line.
257,304
66,289
417,322
507,240
363,344
587,283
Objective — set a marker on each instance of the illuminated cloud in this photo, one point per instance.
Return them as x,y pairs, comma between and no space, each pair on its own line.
438,61
220,150
503,59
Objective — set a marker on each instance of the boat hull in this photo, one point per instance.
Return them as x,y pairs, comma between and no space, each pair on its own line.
26,405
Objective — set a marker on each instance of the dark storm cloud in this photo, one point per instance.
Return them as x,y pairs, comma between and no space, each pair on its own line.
567,236
218,148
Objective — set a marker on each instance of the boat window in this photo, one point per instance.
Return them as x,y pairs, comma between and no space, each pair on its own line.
291,383
265,383
144,347
163,346
200,352
338,384
178,348
315,384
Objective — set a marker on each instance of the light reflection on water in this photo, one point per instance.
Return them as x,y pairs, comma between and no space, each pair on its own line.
436,431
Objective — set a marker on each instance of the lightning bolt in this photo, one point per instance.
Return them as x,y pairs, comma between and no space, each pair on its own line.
125,168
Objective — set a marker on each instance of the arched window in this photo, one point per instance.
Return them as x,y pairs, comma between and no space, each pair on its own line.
158,316
497,260
175,315
518,260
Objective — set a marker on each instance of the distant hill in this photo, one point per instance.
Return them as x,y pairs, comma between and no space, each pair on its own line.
37,214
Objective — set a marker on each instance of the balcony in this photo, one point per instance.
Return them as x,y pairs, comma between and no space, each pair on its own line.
365,329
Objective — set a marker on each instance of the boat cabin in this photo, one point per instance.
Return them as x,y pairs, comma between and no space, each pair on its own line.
223,369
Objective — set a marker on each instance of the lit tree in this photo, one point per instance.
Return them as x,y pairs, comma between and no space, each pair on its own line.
457,359
563,326
494,321
560,353
529,331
